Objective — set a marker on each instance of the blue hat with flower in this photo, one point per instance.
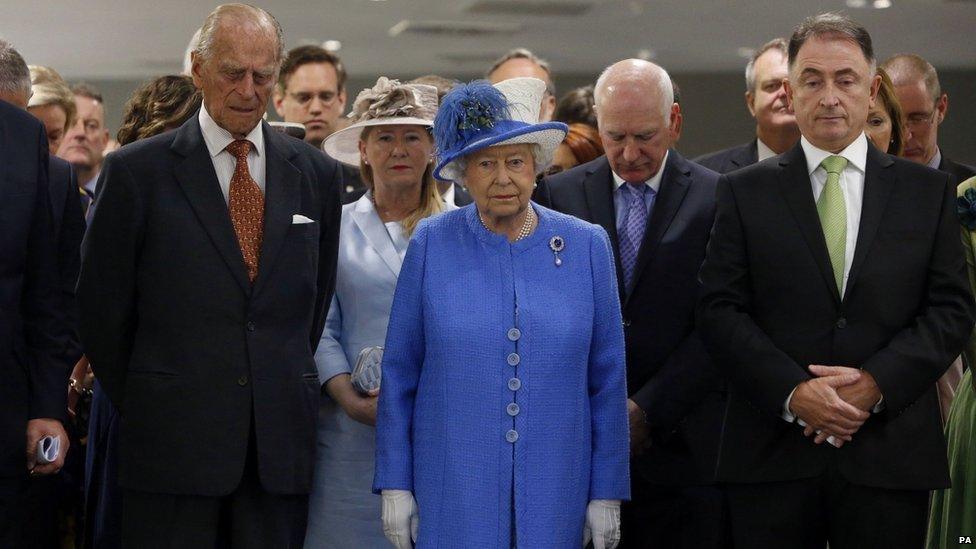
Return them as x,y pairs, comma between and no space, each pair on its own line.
478,115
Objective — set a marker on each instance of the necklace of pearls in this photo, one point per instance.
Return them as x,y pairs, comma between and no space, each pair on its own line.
526,225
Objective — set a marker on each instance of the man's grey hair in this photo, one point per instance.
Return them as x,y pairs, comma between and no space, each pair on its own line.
908,68
524,53
205,43
14,75
831,25
455,170
778,44
639,72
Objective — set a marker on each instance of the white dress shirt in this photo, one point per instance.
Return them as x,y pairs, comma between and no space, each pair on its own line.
852,185
224,162
763,152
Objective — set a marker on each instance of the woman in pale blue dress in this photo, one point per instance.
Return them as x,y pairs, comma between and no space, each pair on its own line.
391,143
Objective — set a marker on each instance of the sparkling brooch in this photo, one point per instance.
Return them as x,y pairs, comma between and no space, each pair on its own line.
556,244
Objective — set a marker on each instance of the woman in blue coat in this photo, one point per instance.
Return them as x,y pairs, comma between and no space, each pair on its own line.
502,418
391,143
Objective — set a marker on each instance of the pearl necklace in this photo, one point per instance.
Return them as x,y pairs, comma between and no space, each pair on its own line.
526,225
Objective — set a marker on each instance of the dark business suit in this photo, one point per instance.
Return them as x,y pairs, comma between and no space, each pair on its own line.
34,334
961,171
213,375
731,159
69,228
771,307
353,186
669,374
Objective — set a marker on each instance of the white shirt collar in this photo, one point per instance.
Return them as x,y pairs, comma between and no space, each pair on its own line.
936,159
856,154
654,182
763,152
218,138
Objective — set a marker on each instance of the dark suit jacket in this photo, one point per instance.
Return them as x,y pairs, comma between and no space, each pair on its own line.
961,171
461,197
353,186
669,374
770,308
69,228
181,342
731,159
33,330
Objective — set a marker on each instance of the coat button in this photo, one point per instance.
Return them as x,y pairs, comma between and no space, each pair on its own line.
514,359
514,334
512,435
250,326
242,381
515,384
841,323
512,409
626,323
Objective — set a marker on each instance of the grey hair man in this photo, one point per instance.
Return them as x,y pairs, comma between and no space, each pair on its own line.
776,129
15,82
209,265
522,62
925,106
658,209
831,332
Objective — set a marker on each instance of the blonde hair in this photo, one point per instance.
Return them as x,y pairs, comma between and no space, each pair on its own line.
430,197
50,89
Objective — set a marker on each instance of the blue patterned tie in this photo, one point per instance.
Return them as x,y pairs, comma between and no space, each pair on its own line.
634,226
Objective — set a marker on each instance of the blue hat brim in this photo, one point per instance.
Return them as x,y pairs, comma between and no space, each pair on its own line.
548,135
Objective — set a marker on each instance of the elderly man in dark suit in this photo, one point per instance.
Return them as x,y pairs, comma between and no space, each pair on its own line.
835,294
658,209
776,130
206,274
34,333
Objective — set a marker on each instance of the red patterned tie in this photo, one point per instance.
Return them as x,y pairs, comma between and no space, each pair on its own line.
246,208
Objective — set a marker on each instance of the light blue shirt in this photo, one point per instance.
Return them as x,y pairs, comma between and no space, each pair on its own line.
620,201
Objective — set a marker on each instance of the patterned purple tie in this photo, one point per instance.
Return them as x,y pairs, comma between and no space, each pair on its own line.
634,226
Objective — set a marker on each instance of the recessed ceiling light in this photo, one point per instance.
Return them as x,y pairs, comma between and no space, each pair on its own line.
745,52
882,4
646,54
856,3
332,45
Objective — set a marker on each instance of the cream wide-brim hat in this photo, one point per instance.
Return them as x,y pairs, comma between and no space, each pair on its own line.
343,145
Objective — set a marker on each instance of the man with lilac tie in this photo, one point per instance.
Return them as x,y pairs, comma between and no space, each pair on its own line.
658,209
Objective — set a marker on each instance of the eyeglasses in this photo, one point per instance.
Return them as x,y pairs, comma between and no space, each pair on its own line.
919,121
328,98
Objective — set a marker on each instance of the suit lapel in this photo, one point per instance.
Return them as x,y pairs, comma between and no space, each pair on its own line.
196,176
282,199
878,181
598,192
367,220
674,186
795,185
746,156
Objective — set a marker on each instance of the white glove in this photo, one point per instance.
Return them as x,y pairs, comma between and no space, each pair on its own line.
602,523
400,518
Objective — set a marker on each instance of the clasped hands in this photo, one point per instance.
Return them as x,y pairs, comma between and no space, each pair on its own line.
835,403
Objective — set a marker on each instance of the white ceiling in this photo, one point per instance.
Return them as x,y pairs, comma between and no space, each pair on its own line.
118,39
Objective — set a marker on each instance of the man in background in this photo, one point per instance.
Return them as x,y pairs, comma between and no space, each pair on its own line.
925,106
522,62
776,130
84,144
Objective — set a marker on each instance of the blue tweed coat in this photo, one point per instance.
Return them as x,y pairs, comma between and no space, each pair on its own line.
503,404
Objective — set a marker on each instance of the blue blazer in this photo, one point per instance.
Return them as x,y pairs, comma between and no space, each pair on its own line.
504,390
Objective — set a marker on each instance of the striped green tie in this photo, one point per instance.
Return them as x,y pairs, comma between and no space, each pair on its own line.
833,216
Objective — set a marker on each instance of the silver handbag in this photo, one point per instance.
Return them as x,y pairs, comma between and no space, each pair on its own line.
367,373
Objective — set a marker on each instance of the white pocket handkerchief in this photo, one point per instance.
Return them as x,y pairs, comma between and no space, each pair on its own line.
299,218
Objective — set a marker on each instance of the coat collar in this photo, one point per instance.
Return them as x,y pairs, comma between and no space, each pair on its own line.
368,221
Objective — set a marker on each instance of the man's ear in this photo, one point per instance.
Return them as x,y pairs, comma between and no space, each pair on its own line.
278,98
750,103
789,94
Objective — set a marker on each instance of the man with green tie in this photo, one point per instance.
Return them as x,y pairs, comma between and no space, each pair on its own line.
834,296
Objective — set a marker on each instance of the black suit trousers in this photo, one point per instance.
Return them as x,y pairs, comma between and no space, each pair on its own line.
810,513
249,517
673,516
